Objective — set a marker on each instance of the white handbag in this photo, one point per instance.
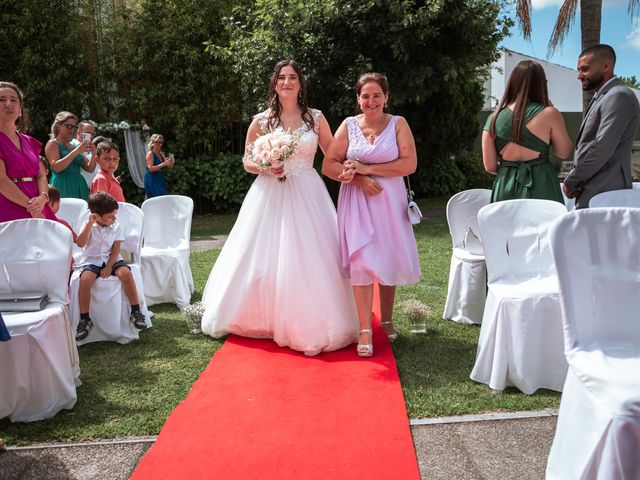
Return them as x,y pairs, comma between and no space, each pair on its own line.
413,211
23,301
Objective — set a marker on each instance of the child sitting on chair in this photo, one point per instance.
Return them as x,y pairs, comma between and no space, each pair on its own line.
54,204
100,239
104,181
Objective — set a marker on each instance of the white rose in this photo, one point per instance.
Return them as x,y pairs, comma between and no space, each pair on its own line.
261,143
265,157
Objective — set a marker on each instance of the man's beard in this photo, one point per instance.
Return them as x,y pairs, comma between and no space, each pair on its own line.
593,83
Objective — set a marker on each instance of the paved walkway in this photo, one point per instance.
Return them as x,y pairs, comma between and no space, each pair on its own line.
208,244
481,448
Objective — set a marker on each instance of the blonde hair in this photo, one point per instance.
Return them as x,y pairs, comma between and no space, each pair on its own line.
61,117
156,137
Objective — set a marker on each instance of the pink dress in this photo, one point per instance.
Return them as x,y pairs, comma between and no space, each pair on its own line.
21,164
376,237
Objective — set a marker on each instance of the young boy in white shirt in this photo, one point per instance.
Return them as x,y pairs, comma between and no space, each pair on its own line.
100,239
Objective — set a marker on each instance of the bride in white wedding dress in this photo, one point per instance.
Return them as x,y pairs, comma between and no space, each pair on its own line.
278,275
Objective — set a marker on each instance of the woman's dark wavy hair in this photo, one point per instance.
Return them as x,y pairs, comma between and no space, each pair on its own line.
273,102
527,83
22,122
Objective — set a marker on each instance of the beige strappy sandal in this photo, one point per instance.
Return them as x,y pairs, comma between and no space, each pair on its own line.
393,336
365,349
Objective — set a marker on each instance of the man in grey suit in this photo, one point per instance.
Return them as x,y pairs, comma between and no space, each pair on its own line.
602,159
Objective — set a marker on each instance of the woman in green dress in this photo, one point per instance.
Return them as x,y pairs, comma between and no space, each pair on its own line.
66,160
518,136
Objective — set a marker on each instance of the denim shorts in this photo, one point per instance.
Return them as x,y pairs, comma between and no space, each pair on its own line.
96,269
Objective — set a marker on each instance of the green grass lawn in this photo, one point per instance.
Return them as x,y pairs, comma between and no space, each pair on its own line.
131,389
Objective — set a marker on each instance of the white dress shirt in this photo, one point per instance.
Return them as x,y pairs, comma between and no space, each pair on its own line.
98,248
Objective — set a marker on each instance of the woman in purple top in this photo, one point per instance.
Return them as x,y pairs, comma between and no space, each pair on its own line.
23,181
370,154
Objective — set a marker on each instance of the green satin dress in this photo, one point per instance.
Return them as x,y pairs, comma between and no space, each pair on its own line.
70,181
535,178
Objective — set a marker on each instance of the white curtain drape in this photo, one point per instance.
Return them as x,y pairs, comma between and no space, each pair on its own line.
136,146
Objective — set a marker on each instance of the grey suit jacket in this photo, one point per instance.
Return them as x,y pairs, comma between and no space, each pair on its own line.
602,160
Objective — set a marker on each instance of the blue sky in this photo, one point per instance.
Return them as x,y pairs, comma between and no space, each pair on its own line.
618,30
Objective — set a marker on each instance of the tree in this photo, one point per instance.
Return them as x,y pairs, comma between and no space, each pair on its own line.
42,53
165,77
631,82
590,22
434,55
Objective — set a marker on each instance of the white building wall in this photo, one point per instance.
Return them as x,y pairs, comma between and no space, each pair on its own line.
565,90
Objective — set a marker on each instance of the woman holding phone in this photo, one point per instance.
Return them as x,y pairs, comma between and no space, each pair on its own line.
86,133
157,161
67,160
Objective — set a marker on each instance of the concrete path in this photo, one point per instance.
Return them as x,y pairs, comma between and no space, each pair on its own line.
208,244
480,448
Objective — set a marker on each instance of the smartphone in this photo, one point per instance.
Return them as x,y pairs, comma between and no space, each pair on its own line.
86,137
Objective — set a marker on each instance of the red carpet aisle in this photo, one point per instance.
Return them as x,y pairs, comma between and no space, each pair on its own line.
259,411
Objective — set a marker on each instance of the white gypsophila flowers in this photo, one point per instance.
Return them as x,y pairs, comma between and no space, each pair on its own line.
193,313
414,309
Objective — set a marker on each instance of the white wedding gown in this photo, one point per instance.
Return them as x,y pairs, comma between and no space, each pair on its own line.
278,274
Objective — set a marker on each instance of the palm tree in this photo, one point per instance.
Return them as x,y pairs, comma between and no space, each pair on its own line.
590,21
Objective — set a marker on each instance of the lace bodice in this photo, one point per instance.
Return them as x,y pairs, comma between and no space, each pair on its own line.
302,159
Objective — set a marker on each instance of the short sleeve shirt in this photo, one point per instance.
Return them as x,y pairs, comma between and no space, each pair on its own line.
98,248
108,184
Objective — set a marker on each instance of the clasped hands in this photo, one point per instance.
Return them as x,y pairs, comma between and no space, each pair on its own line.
277,168
574,194
35,205
350,168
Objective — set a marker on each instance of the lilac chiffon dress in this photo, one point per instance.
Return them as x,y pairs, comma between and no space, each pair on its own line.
21,164
376,237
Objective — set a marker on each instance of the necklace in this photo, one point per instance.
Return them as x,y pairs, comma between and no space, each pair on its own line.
15,139
374,132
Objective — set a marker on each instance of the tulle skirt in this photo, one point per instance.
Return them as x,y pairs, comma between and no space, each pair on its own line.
278,275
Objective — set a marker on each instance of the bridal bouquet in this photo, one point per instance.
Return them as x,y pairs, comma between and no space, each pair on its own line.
272,149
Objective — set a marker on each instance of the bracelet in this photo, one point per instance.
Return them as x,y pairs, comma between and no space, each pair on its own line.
45,194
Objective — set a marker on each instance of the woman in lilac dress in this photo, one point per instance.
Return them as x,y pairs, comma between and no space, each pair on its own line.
23,181
370,154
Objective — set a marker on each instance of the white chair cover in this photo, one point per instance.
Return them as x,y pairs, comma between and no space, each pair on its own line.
75,212
597,255
521,341
39,366
629,198
570,203
636,185
467,288
165,254
110,307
